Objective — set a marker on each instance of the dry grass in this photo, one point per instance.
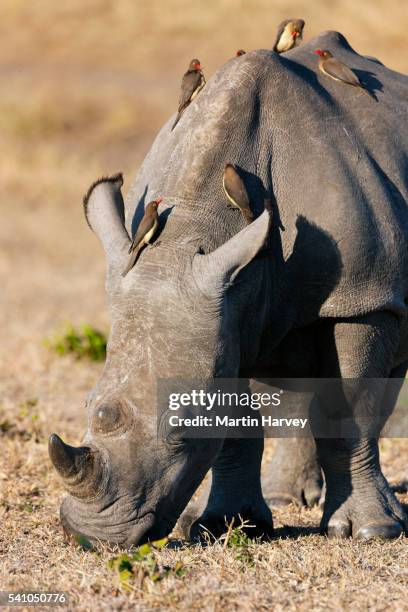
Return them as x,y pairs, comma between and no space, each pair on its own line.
300,570
85,86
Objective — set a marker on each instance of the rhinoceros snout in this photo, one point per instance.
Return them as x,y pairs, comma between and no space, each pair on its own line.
81,469
94,529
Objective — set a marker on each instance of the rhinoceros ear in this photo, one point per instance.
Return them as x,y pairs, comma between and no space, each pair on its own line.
105,214
217,270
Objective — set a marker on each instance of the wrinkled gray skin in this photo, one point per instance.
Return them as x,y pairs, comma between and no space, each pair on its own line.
328,300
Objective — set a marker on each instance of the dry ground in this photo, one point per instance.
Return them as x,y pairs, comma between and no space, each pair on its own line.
84,87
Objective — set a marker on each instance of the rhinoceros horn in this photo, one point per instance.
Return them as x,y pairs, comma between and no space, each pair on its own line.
80,468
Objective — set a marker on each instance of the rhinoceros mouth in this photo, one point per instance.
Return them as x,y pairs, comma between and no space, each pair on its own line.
124,534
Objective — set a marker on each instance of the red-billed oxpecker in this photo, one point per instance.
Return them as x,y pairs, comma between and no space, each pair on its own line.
338,71
236,192
145,232
289,35
191,84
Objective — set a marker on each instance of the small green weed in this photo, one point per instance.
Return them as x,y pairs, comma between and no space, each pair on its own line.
25,423
85,342
238,539
26,409
135,569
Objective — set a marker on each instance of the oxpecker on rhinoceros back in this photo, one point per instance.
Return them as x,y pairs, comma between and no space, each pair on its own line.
316,286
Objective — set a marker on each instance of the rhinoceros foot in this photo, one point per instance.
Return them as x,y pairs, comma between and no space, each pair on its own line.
370,511
232,493
253,520
293,476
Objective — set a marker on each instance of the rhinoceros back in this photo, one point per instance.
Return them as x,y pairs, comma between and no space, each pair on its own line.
332,159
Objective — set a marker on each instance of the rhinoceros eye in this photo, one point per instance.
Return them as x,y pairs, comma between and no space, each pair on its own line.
108,418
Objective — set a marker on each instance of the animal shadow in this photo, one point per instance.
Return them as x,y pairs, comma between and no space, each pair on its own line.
288,532
370,82
402,488
163,218
139,211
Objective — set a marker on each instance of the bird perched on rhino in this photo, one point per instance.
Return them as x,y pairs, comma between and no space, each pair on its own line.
289,35
240,52
191,84
145,232
236,192
338,71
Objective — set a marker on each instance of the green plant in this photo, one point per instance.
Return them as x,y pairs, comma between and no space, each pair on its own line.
85,342
144,564
238,539
6,426
84,543
26,409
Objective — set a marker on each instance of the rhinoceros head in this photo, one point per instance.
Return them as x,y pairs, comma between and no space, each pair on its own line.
126,483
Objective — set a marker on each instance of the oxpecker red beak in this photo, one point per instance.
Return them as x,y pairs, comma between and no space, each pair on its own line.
319,52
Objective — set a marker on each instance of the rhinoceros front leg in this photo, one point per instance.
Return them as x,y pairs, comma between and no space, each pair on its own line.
293,476
235,493
359,502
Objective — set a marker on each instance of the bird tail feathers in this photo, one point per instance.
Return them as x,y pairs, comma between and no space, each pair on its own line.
248,216
177,120
132,260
